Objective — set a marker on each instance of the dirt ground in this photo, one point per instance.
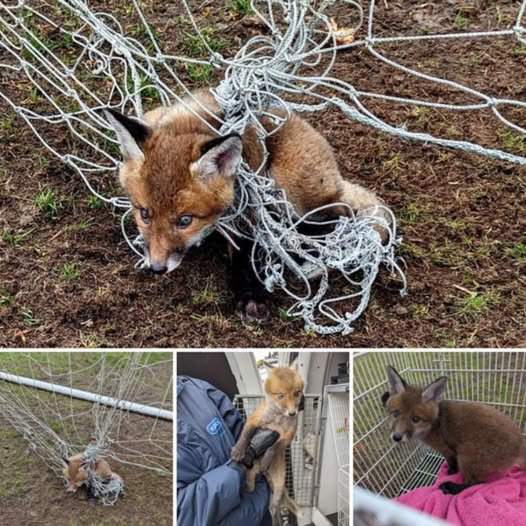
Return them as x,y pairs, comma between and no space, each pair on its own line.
68,278
32,494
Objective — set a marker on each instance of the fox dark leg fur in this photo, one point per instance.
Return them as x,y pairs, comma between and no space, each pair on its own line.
276,479
240,449
250,297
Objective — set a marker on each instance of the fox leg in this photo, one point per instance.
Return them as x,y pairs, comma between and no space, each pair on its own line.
250,297
452,465
239,450
250,479
471,475
276,474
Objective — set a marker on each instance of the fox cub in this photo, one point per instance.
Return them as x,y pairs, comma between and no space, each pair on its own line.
77,471
179,175
278,412
475,439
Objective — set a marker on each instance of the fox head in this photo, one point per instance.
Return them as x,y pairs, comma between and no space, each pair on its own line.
412,410
76,472
284,389
178,183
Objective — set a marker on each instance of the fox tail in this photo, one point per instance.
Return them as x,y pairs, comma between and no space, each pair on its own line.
291,504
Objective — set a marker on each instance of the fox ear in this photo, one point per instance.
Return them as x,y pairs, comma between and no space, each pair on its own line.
385,397
65,460
294,364
396,384
131,134
268,367
435,391
220,156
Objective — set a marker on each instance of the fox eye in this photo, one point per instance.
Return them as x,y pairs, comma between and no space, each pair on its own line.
297,393
396,414
145,215
280,396
183,221
416,419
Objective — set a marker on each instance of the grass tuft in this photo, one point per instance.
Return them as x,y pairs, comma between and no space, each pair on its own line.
48,203
241,7
69,271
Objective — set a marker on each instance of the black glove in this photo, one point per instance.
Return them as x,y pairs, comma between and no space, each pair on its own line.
261,440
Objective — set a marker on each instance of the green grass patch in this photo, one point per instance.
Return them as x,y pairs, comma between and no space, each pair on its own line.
28,364
461,21
28,317
208,295
475,305
95,202
517,251
69,271
48,203
194,46
6,298
17,238
199,72
514,142
241,7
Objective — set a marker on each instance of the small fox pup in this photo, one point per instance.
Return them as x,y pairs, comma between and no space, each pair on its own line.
179,175
475,439
278,412
77,471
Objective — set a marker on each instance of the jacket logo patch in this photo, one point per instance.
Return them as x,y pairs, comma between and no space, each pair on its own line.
215,426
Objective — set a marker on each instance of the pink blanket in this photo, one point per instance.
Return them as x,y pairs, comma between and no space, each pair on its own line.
499,502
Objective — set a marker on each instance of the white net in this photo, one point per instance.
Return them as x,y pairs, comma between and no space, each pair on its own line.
110,406
74,60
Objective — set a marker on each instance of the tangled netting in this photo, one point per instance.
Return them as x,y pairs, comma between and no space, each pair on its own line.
112,406
82,62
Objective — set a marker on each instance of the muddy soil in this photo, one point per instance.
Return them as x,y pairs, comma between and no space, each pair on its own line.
461,216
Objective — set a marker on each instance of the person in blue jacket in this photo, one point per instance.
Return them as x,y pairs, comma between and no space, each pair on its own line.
210,486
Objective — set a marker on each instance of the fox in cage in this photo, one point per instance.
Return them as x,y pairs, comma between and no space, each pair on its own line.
476,439
278,413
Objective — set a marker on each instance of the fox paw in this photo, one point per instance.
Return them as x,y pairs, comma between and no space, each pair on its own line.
452,468
450,488
236,454
252,308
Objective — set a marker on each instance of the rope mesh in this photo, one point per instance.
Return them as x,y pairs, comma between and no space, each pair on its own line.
58,426
76,61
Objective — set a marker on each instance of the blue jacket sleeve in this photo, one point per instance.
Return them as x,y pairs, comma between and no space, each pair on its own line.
209,499
253,508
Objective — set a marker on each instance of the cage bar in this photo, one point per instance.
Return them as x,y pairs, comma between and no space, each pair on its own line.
495,378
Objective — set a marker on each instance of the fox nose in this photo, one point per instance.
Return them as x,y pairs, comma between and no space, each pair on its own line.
292,413
158,268
397,437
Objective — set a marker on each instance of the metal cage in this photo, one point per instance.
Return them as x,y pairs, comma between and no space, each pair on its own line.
337,403
303,452
383,467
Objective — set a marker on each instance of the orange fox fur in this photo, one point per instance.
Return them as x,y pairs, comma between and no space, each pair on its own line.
474,438
279,412
170,174
76,471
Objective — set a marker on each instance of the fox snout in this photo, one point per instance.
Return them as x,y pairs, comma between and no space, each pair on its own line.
399,437
163,266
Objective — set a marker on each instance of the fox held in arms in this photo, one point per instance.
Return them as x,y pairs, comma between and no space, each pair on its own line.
278,412
476,439
179,175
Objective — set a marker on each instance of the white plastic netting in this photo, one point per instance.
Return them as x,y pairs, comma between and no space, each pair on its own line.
76,59
112,406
